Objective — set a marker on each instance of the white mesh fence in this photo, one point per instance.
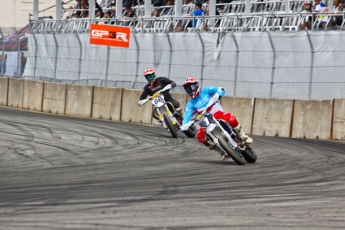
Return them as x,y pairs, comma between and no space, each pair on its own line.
271,64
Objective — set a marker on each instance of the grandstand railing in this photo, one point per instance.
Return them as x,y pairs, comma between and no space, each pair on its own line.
236,22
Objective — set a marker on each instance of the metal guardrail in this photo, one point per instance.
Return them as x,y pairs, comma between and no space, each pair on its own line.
235,22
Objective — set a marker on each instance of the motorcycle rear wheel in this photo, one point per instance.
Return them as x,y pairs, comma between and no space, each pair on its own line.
171,127
231,152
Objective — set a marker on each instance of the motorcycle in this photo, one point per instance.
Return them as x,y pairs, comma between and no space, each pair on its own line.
168,116
220,134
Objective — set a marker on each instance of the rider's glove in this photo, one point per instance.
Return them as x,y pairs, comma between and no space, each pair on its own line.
199,116
217,96
168,87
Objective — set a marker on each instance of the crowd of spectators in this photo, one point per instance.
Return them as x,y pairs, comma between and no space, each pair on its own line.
320,20
197,8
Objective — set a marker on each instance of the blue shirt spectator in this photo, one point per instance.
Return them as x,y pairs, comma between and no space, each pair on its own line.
198,12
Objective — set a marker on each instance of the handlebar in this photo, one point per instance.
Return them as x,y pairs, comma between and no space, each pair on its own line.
142,102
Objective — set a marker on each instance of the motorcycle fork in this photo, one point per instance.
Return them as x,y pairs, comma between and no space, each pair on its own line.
161,118
173,119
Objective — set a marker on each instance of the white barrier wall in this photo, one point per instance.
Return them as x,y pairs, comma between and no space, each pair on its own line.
33,94
107,103
3,90
312,119
15,92
242,108
131,112
54,98
79,100
339,119
271,117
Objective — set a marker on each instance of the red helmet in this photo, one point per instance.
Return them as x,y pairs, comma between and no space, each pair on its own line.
192,87
150,75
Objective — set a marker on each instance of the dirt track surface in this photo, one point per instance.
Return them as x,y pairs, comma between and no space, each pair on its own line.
60,172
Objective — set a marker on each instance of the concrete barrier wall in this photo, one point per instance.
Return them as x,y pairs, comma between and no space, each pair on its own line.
15,92
107,103
242,108
339,119
33,93
3,91
312,119
272,117
131,112
54,98
79,100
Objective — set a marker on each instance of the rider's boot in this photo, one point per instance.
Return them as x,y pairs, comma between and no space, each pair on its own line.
179,110
238,130
215,148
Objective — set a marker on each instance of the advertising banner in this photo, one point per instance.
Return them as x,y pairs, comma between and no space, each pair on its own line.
110,35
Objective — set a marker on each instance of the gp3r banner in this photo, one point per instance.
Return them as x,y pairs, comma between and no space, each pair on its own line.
110,35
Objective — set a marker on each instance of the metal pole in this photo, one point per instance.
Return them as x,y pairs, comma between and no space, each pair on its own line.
170,55
236,63
19,69
56,56
273,63
178,8
119,6
3,51
58,9
107,66
137,64
92,9
35,16
212,12
247,9
312,53
147,8
80,55
202,59
36,51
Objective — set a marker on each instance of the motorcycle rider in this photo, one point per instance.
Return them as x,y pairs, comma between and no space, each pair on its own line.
198,103
155,84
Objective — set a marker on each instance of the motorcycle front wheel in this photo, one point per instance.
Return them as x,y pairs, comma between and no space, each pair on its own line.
249,155
170,126
191,132
231,152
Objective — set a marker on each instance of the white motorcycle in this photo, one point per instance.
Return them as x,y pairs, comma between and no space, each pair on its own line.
168,116
220,134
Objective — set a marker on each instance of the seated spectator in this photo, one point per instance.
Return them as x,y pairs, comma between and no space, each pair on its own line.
85,7
129,13
187,7
198,12
75,14
112,12
318,7
336,21
168,9
99,14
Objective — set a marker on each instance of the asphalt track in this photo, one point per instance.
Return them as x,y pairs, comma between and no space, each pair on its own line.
60,172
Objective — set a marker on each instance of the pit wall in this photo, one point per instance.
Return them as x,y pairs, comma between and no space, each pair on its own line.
313,119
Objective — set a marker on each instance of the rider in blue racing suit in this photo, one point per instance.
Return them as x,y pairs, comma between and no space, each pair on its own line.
198,103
